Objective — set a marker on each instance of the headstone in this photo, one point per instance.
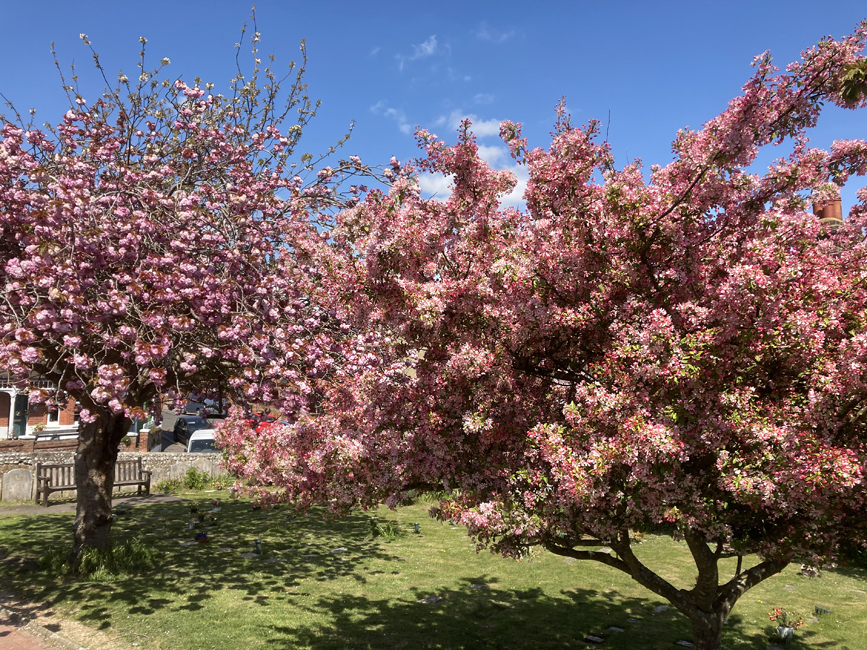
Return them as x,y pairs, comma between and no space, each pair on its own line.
661,608
18,485
342,549
249,555
685,644
479,586
204,465
790,587
430,600
594,639
614,628
178,471
633,620
159,474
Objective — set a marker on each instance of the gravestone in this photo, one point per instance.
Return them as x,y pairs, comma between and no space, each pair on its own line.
18,485
205,466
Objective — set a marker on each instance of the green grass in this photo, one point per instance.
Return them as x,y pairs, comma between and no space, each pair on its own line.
367,596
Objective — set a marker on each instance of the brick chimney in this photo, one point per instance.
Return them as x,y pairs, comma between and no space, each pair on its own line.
830,214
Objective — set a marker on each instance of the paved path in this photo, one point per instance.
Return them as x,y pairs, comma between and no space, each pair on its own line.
69,506
15,636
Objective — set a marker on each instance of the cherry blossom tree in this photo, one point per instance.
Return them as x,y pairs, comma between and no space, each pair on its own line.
682,350
153,242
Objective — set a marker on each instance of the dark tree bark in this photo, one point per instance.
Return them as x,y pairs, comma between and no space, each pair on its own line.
95,459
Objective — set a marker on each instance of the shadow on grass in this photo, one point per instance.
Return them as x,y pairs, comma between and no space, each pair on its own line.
298,550
490,617
294,547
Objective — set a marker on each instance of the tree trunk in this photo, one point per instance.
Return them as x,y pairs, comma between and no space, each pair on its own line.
94,477
707,630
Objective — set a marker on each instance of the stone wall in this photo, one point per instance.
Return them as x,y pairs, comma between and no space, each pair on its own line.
162,466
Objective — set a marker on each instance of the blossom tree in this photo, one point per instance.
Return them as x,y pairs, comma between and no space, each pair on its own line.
682,350
154,242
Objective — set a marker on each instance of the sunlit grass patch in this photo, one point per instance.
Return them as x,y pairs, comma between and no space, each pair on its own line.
323,583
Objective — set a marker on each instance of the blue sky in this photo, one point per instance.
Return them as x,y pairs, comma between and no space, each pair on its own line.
655,66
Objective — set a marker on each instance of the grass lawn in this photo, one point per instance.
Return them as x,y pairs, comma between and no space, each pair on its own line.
322,583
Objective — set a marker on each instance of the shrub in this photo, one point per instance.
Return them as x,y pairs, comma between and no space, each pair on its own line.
115,562
388,530
172,485
197,480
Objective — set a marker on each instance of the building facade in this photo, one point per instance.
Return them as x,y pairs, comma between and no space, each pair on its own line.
19,418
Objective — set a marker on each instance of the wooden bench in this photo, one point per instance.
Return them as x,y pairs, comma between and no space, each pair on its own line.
60,477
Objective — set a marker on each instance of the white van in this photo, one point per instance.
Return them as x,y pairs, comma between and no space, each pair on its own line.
202,442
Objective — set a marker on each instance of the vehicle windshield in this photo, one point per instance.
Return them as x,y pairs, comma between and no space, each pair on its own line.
203,447
194,424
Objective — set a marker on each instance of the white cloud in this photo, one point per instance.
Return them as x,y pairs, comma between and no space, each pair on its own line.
374,51
487,33
425,49
483,98
421,51
482,128
436,185
396,114
492,154
516,196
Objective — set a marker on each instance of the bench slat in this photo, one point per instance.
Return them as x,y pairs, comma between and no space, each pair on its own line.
57,477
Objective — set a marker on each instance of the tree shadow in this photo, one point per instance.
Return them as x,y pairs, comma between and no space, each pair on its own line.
295,547
471,611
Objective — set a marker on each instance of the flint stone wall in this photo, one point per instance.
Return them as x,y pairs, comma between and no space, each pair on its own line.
162,466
